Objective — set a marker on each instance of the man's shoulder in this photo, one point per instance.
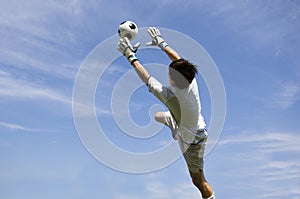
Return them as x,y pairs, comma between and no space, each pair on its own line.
194,86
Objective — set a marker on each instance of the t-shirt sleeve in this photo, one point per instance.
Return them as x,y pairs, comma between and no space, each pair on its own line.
163,93
166,96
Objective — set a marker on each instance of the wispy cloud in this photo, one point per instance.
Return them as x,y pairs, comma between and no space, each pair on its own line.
103,112
162,190
34,39
18,88
31,18
18,127
257,23
273,156
287,96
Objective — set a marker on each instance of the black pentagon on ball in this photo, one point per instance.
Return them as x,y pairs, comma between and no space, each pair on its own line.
119,32
122,22
132,26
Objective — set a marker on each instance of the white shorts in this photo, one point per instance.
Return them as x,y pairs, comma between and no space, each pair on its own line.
193,153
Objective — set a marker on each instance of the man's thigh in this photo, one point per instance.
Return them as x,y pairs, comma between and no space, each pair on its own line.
194,155
167,119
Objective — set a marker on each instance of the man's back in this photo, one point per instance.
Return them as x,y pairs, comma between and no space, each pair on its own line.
190,106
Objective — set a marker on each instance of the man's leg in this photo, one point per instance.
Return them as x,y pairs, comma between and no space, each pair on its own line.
200,182
161,117
167,119
198,177
194,157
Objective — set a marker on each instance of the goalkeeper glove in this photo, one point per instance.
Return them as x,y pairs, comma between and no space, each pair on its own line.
127,50
157,39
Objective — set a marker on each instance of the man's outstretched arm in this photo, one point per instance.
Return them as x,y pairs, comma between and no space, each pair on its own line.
172,54
141,71
125,47
157,40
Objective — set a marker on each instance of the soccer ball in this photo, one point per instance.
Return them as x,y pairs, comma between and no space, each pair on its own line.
128,29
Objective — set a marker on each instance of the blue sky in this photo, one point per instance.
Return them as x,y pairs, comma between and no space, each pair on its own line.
255,45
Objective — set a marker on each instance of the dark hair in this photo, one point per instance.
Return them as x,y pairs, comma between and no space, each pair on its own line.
182,72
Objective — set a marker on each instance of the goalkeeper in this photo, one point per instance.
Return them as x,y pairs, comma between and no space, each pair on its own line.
182,99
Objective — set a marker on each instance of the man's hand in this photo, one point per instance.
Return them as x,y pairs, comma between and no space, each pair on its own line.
157,39
127,50
136,47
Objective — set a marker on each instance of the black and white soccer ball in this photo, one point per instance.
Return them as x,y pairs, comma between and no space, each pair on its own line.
128,29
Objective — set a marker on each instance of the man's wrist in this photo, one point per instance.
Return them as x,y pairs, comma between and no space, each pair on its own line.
163,45
132,58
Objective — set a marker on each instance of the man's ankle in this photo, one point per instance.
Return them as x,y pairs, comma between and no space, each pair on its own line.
211,197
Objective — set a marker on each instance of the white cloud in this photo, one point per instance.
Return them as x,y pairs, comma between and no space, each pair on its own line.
164,184
157,189
256,23
35,17
40,36
18,127
163,190
113,69
18,88
264,160
287,96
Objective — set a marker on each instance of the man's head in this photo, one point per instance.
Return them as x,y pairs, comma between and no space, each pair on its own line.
182,73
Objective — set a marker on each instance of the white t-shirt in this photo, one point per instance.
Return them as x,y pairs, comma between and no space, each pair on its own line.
191,120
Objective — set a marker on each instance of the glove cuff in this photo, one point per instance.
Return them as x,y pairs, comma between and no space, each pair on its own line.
132,58
163,45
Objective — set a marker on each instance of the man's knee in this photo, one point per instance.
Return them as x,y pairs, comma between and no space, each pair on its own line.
159,117
199,180
156,117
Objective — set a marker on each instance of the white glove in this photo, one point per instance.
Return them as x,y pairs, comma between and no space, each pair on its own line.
157,40
136,46
127,50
